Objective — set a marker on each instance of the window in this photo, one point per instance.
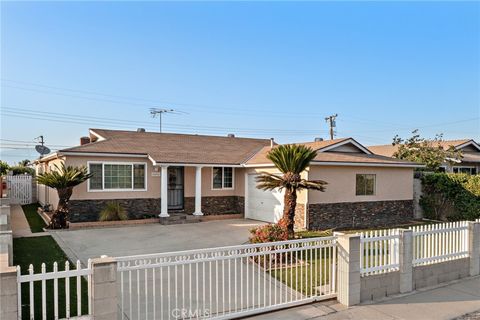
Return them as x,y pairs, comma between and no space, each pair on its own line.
365,185
117,176
467,170
222,178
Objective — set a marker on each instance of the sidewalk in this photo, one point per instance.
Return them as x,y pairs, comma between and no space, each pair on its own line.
446,302
20,226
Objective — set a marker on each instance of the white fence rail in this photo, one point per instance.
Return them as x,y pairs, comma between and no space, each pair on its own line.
379,251
227,282
53,295
435,243
20,188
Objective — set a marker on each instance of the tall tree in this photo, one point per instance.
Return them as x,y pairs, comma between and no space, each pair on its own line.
63,179
430,152
291,160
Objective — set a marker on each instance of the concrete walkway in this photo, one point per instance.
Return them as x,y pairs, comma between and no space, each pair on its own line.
20,226
447,302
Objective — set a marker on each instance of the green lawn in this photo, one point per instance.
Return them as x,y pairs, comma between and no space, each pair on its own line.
34,220
308,276
38,250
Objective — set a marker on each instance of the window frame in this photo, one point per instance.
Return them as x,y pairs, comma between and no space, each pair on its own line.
223,178
464,167
103,163
374,184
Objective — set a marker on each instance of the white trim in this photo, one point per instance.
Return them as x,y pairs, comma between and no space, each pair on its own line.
179,164
264,165
117,190
100,138
341,143
366,164
48,157
468,143
223,178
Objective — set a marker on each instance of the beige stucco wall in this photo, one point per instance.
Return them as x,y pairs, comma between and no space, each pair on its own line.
81,193
391,184
207,190
153,182
45,194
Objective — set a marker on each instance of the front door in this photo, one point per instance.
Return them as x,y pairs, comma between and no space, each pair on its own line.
175,188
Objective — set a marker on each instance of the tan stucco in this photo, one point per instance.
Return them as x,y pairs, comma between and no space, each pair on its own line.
45,194
391,184
153,182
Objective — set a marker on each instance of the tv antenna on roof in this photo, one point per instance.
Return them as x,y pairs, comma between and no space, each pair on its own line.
160,111
41,148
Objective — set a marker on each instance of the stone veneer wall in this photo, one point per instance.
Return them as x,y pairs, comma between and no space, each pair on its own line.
359,214
433,274
89,210
217,205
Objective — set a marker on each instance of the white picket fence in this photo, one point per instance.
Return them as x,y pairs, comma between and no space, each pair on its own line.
432,243
227,282
379,251
440,242
60,294
20,189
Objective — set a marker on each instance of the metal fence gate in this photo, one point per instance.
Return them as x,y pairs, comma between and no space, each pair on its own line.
227,282
20,189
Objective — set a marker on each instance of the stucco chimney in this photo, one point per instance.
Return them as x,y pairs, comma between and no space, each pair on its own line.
271,143
231,135
84,140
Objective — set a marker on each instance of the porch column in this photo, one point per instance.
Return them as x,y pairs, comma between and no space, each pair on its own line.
164,192
198,191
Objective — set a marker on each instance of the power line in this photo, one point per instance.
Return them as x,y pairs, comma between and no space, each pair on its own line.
109,121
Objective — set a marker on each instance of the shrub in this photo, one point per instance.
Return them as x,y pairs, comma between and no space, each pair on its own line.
448,196
113,211
270,233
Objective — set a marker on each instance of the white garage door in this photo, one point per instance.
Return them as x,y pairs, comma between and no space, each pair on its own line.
263,205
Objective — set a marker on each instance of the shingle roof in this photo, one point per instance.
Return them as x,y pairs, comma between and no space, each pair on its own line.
334,157
174,148
388,150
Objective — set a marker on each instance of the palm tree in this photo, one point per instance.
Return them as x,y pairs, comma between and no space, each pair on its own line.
291,160
63,179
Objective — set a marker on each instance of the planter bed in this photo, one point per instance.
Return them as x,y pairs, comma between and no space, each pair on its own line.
109,224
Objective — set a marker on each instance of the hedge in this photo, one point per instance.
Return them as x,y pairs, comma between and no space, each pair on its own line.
453,197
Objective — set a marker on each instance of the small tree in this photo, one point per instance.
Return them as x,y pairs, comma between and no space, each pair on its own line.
291,160
4,167
63,179
431,153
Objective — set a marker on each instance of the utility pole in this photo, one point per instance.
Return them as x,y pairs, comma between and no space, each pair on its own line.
156,111
332,124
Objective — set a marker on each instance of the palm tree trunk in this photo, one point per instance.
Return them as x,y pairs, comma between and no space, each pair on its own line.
60,216
290,203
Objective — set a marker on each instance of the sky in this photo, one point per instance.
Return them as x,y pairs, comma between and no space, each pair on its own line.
255,69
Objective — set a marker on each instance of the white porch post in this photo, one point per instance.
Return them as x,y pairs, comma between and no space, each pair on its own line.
164,192
198,191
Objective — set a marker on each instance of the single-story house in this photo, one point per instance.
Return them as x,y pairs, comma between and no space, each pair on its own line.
160,173
470,162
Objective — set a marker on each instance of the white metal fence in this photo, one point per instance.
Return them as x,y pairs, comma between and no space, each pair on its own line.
56,294
227,282
440,242
379,251
20,188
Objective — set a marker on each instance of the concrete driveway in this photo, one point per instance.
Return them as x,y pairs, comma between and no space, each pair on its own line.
152,238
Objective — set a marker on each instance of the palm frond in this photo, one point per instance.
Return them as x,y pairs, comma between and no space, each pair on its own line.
268,181
318,185
64,177
291,158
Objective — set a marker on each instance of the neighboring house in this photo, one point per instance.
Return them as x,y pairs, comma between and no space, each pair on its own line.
470,150
214,175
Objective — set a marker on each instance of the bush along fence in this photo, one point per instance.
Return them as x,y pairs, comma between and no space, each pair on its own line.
236,281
